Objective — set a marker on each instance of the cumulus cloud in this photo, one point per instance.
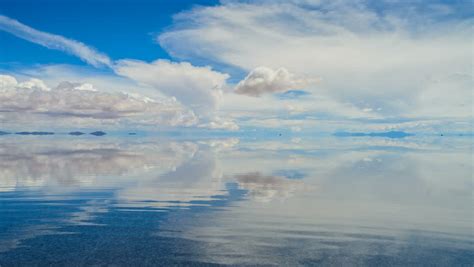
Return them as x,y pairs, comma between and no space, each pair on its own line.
80,100
198,88
369,56
52,41
263,80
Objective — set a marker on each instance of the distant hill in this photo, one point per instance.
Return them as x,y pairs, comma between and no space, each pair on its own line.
76,133
98,133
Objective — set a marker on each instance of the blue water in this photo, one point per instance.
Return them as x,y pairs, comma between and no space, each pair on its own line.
352,201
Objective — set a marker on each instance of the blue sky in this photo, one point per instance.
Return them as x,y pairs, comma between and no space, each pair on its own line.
229,65
101,24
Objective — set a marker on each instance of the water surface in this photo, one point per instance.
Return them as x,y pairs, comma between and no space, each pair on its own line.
70,201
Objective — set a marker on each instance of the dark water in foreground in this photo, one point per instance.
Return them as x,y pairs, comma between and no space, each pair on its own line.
333,201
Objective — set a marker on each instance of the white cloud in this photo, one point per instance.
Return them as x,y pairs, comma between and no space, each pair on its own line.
366,57
263,80
220,124
7,81
447,96
396,60
72,102
271,111
86,78
52,41
77,86
33,84
198,88
109,82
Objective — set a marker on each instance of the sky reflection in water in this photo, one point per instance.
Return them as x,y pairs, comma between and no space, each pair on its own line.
145,201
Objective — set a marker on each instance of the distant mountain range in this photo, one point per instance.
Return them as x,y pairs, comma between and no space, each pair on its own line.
98,133
76,133
34,133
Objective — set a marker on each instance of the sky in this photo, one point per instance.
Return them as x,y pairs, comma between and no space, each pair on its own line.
298,65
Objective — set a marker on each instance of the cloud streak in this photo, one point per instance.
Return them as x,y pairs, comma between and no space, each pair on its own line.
53,41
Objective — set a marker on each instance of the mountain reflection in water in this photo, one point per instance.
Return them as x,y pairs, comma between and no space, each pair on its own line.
145,201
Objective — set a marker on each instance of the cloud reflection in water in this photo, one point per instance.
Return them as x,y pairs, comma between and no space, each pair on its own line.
235,202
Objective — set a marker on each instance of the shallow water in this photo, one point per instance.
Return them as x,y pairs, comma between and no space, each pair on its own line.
136,201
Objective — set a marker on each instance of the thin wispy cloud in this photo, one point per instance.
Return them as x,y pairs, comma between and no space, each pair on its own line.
53,41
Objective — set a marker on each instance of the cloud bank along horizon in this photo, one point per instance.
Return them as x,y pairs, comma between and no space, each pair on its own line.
352,61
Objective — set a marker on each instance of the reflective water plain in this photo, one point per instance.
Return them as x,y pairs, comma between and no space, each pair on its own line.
143,201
